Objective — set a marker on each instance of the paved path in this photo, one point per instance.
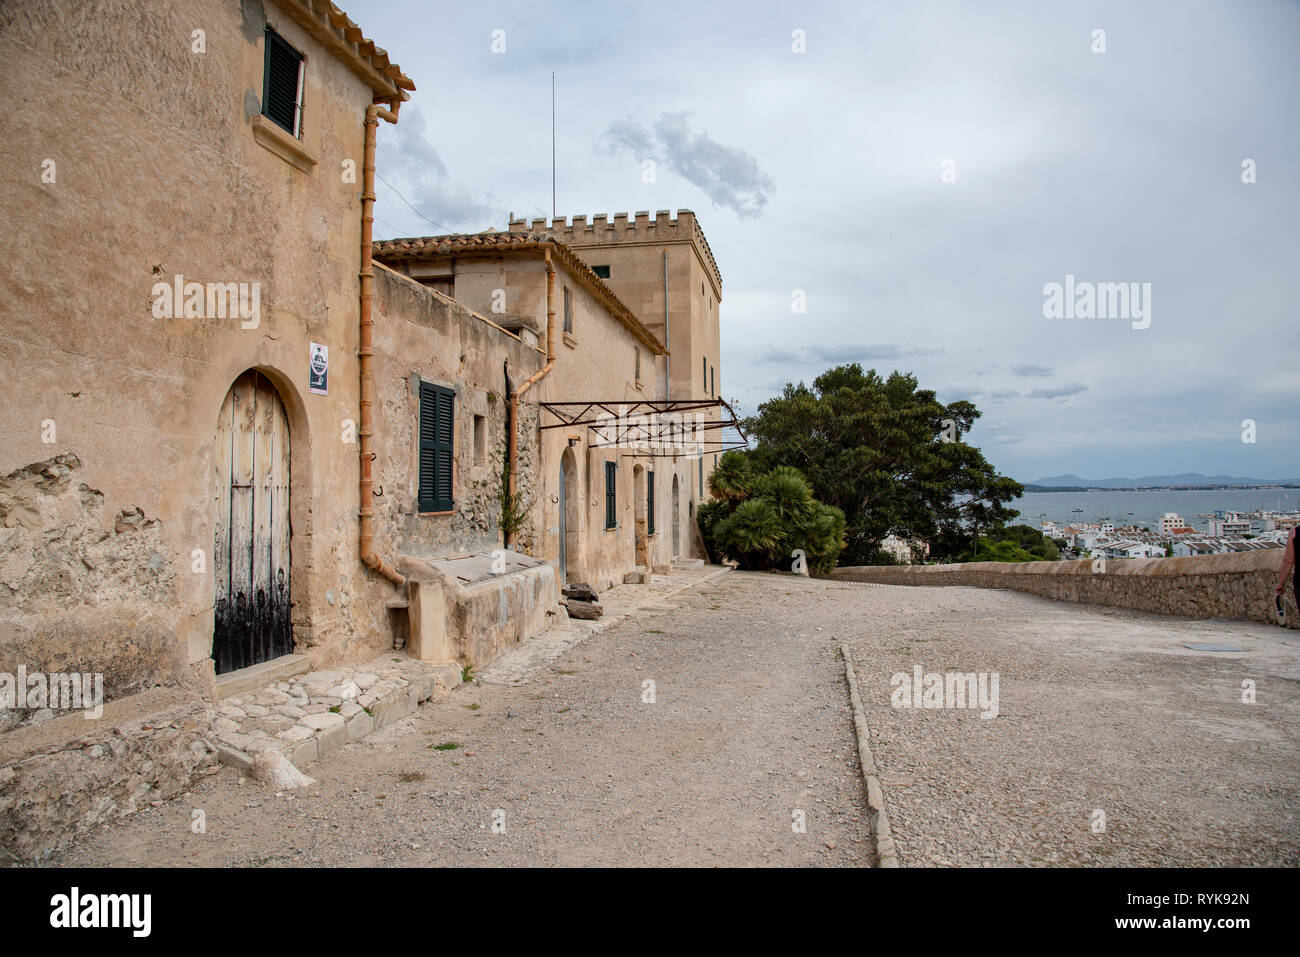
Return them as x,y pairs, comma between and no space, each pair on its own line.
1098,710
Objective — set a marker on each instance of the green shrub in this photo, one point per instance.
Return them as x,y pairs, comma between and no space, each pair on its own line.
758,519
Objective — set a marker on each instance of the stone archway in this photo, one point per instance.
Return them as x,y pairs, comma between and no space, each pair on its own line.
252,619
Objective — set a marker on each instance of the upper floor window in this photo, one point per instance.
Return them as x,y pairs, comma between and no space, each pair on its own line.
437,421
601,271
637,351
568,310
283,83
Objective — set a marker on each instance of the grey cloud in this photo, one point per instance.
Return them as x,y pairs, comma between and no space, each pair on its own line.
850,353
773,354
728,175
414,169
1057,392
846,353
1031,371
412,150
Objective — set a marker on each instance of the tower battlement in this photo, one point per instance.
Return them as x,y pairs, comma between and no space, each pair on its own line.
602,230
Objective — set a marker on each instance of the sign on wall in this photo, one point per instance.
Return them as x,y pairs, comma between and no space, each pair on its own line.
319,365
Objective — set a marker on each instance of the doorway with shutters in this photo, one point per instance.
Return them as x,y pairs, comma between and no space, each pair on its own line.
252,620
571,566
675,517
641,541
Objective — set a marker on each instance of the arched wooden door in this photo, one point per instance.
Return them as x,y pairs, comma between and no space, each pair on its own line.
252,621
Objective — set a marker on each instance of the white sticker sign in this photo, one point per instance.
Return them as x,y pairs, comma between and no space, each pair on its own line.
319,366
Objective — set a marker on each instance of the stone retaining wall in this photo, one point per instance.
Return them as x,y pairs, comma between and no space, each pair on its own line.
66,776
1203,586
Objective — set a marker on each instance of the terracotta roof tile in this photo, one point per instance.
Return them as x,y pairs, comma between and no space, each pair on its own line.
332,27
419,247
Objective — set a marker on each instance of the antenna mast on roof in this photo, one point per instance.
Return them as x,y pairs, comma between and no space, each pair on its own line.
552,146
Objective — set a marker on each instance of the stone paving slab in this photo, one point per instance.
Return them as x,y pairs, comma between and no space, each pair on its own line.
308,715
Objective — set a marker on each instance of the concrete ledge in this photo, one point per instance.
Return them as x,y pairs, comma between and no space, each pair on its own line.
1237,586
490,612
261,675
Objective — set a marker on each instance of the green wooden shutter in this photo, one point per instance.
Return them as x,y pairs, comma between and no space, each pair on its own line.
611,499
437,420
650,503
280,82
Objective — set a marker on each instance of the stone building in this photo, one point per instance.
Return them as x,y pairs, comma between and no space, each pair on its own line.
229,437
664,270
610,502
181,401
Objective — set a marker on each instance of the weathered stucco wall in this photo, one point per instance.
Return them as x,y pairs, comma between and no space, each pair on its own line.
156,172
633,248
596,361
421,335
1204,586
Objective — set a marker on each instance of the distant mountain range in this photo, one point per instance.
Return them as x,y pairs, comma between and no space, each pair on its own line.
1155,481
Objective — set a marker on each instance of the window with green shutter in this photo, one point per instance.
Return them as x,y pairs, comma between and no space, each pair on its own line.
611,496
282,83
650,503
437,420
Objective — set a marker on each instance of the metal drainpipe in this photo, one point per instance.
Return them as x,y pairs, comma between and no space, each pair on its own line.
365,352
511,436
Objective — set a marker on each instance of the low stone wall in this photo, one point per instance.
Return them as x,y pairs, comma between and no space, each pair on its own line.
1203,586
64,777
485,619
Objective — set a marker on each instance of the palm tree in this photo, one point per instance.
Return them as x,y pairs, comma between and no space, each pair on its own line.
731,479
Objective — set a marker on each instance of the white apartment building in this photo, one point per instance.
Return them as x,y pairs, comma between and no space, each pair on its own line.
1231,526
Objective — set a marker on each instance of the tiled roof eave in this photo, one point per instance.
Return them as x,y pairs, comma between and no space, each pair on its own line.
514,243
333,29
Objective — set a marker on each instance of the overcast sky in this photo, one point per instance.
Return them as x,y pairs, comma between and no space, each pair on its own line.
823,171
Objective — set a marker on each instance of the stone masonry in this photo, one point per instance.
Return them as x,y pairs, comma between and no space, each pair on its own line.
309,715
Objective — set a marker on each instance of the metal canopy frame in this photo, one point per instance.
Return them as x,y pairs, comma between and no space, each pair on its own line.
653,428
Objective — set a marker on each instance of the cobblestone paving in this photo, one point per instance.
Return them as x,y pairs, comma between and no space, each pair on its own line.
307,716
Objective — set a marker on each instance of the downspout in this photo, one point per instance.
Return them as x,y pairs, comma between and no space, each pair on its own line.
366,351
510,430
511,435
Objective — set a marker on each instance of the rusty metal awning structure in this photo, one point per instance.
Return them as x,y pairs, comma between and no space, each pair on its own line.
657,428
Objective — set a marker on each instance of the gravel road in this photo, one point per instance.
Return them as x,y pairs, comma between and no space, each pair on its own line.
1099,710
750,723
